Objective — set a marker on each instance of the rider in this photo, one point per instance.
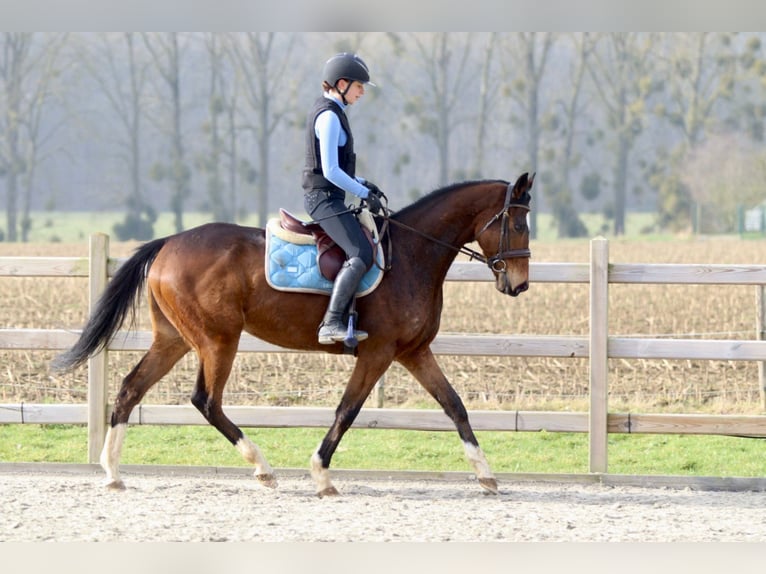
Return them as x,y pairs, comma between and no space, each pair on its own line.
330,174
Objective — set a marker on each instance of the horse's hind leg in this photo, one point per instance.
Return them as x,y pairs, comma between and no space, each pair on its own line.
215,366
157,361
426,370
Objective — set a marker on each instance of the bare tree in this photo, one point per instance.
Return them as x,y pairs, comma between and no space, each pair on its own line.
487,91
528,52
16,47
708,77
263,60
571,110
443,60
119,71
28,75
621,70
220,128
725,171
166,53
44,94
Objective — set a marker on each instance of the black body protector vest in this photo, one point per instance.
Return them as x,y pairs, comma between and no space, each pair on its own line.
312,174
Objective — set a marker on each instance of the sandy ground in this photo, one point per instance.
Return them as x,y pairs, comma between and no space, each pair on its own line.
64,507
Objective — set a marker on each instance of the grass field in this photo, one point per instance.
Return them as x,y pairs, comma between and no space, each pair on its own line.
541,452
76,226
484,382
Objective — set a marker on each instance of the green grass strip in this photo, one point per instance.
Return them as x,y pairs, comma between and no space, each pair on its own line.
374,449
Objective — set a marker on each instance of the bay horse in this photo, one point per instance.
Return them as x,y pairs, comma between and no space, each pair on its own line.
207,284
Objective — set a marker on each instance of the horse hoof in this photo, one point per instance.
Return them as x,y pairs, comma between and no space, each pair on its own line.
329,491
490,484
115,485
268,480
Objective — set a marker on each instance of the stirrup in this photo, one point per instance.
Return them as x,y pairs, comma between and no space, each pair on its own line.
353,336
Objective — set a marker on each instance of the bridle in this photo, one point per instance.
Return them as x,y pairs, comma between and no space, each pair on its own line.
496,263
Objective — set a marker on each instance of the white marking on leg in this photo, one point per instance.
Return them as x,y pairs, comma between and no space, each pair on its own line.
320,474
475,455
110,454
252,454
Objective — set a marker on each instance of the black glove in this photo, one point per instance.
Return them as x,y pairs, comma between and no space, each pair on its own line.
374,203
373,188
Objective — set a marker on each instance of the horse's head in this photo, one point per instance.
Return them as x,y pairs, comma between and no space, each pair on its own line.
504,239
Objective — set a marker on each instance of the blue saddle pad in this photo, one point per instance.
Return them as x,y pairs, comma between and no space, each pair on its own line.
293,267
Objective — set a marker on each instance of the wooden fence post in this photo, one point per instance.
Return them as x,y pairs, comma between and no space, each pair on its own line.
760,334
380,388
599,336
97,278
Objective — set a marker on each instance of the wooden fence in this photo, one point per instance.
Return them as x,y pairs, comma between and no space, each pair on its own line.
598,347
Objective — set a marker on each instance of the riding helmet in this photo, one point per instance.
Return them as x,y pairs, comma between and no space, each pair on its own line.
346,66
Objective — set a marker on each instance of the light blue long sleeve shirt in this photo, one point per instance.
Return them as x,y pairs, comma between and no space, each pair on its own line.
331,136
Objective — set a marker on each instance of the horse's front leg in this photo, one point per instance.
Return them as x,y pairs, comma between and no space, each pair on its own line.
423,366
358,388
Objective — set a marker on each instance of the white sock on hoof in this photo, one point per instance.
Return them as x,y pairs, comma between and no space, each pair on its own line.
110,454
478,460
320,474
252,454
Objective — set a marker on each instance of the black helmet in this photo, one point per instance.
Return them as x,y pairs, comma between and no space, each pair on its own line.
346,66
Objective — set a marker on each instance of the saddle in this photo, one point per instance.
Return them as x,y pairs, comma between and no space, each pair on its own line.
300,256
330,256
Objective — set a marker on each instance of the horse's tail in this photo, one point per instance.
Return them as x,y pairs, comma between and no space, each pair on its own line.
118,300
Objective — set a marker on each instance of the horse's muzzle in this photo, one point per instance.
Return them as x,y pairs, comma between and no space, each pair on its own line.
518,290
504,285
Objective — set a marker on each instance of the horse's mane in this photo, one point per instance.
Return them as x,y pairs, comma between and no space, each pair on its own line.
439,193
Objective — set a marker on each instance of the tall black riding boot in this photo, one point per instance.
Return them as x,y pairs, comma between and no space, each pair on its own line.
332,329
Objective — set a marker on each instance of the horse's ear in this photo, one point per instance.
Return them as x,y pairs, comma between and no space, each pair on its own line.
523,184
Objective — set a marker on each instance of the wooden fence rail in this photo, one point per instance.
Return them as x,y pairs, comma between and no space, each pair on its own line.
598,347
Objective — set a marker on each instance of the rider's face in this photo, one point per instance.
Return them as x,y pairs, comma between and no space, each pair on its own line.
355,92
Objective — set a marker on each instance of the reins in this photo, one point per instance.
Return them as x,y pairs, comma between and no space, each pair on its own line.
496,263
472,254
355,210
